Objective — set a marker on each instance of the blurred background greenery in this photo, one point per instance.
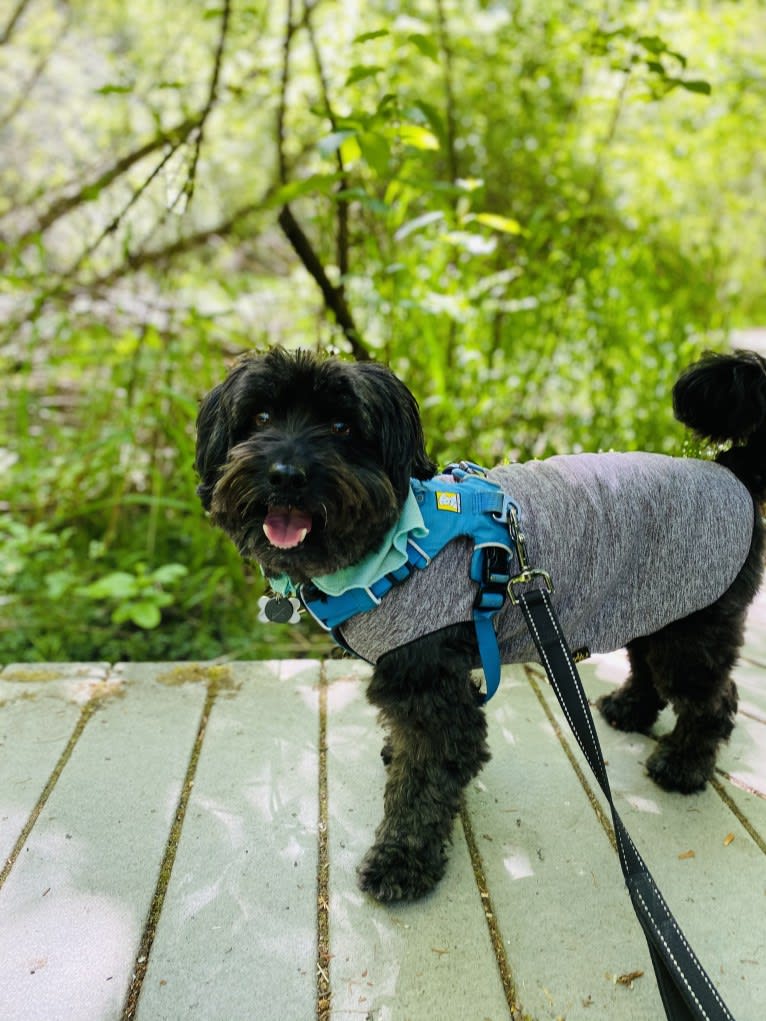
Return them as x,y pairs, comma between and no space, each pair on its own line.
536,211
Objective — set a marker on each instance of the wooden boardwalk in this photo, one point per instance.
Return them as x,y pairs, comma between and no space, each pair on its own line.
179,841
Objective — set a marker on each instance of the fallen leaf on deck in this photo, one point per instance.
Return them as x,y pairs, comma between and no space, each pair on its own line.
629,978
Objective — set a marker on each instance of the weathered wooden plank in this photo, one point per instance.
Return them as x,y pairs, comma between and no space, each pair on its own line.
74,905
429,960
39,709
697,849
236,938
553,875
741,761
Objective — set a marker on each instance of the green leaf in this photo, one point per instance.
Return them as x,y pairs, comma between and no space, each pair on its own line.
117,585
418,137
365,37
57,583
432,115
316,184
113,89
376,152
425,44
469,184
417,223
502,223
362,71
351,150
168,573
370,202
652,43
703,87
144,614
332,142
474,244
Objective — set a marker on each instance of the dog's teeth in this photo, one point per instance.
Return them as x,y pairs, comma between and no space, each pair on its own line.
286,527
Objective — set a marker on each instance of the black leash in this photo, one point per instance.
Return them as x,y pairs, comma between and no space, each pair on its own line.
685,987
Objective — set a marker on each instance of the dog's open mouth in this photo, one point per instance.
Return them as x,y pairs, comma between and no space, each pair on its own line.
286,527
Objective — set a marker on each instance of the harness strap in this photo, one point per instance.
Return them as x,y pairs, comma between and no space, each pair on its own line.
685,987
476,504
331,612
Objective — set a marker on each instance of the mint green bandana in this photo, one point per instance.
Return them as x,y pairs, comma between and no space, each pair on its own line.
389,556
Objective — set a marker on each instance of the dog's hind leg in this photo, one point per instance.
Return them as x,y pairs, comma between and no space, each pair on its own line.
692,661
687,664
436,744
635,705
684,760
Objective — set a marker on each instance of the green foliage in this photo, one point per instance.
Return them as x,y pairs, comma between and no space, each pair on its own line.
536,213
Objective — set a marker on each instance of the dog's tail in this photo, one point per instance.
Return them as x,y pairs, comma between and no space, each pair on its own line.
723,399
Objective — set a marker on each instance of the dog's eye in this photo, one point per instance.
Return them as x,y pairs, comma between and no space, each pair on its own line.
261,419
340,428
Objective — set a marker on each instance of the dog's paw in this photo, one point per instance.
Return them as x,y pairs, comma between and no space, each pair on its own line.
388,872
624,711
674,770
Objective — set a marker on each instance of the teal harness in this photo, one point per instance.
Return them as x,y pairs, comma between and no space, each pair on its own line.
470,507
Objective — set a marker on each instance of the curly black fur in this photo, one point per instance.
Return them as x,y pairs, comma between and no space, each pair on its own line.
335,440
688,663
333,445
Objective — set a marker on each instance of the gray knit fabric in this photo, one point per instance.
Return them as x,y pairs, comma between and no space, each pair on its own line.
631,541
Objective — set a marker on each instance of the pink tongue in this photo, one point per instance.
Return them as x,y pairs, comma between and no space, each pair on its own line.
286,527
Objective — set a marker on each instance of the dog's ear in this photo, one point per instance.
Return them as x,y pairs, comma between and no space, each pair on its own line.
217,420
213,440
396,420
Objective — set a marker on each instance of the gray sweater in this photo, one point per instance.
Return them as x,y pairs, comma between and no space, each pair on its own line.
631,541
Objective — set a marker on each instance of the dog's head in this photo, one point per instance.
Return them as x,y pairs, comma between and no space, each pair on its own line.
305,461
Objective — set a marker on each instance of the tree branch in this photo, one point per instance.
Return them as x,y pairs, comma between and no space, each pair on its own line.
114,223
14,20
139,260
334,298
211,100
342,247
282,104
27,88
60,207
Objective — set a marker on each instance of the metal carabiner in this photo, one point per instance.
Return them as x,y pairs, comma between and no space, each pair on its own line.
526,573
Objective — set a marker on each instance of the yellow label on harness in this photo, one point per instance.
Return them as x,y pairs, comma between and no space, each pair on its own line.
448,502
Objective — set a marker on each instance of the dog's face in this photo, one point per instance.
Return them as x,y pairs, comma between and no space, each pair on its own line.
304,461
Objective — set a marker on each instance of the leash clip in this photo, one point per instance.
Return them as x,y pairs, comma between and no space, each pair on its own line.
526,573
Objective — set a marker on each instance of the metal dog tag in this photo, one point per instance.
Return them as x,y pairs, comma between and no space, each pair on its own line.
279,610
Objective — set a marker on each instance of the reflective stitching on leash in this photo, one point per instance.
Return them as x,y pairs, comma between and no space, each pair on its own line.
656,892
562,702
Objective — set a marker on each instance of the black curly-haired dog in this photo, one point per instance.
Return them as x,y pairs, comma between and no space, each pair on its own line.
306,462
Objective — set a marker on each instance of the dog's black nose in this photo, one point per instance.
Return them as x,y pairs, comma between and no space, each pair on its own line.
283,476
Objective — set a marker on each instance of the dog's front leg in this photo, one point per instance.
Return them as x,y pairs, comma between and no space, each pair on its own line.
436,743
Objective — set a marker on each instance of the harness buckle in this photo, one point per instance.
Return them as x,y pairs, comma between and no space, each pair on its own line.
460,469
493,576
508,512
